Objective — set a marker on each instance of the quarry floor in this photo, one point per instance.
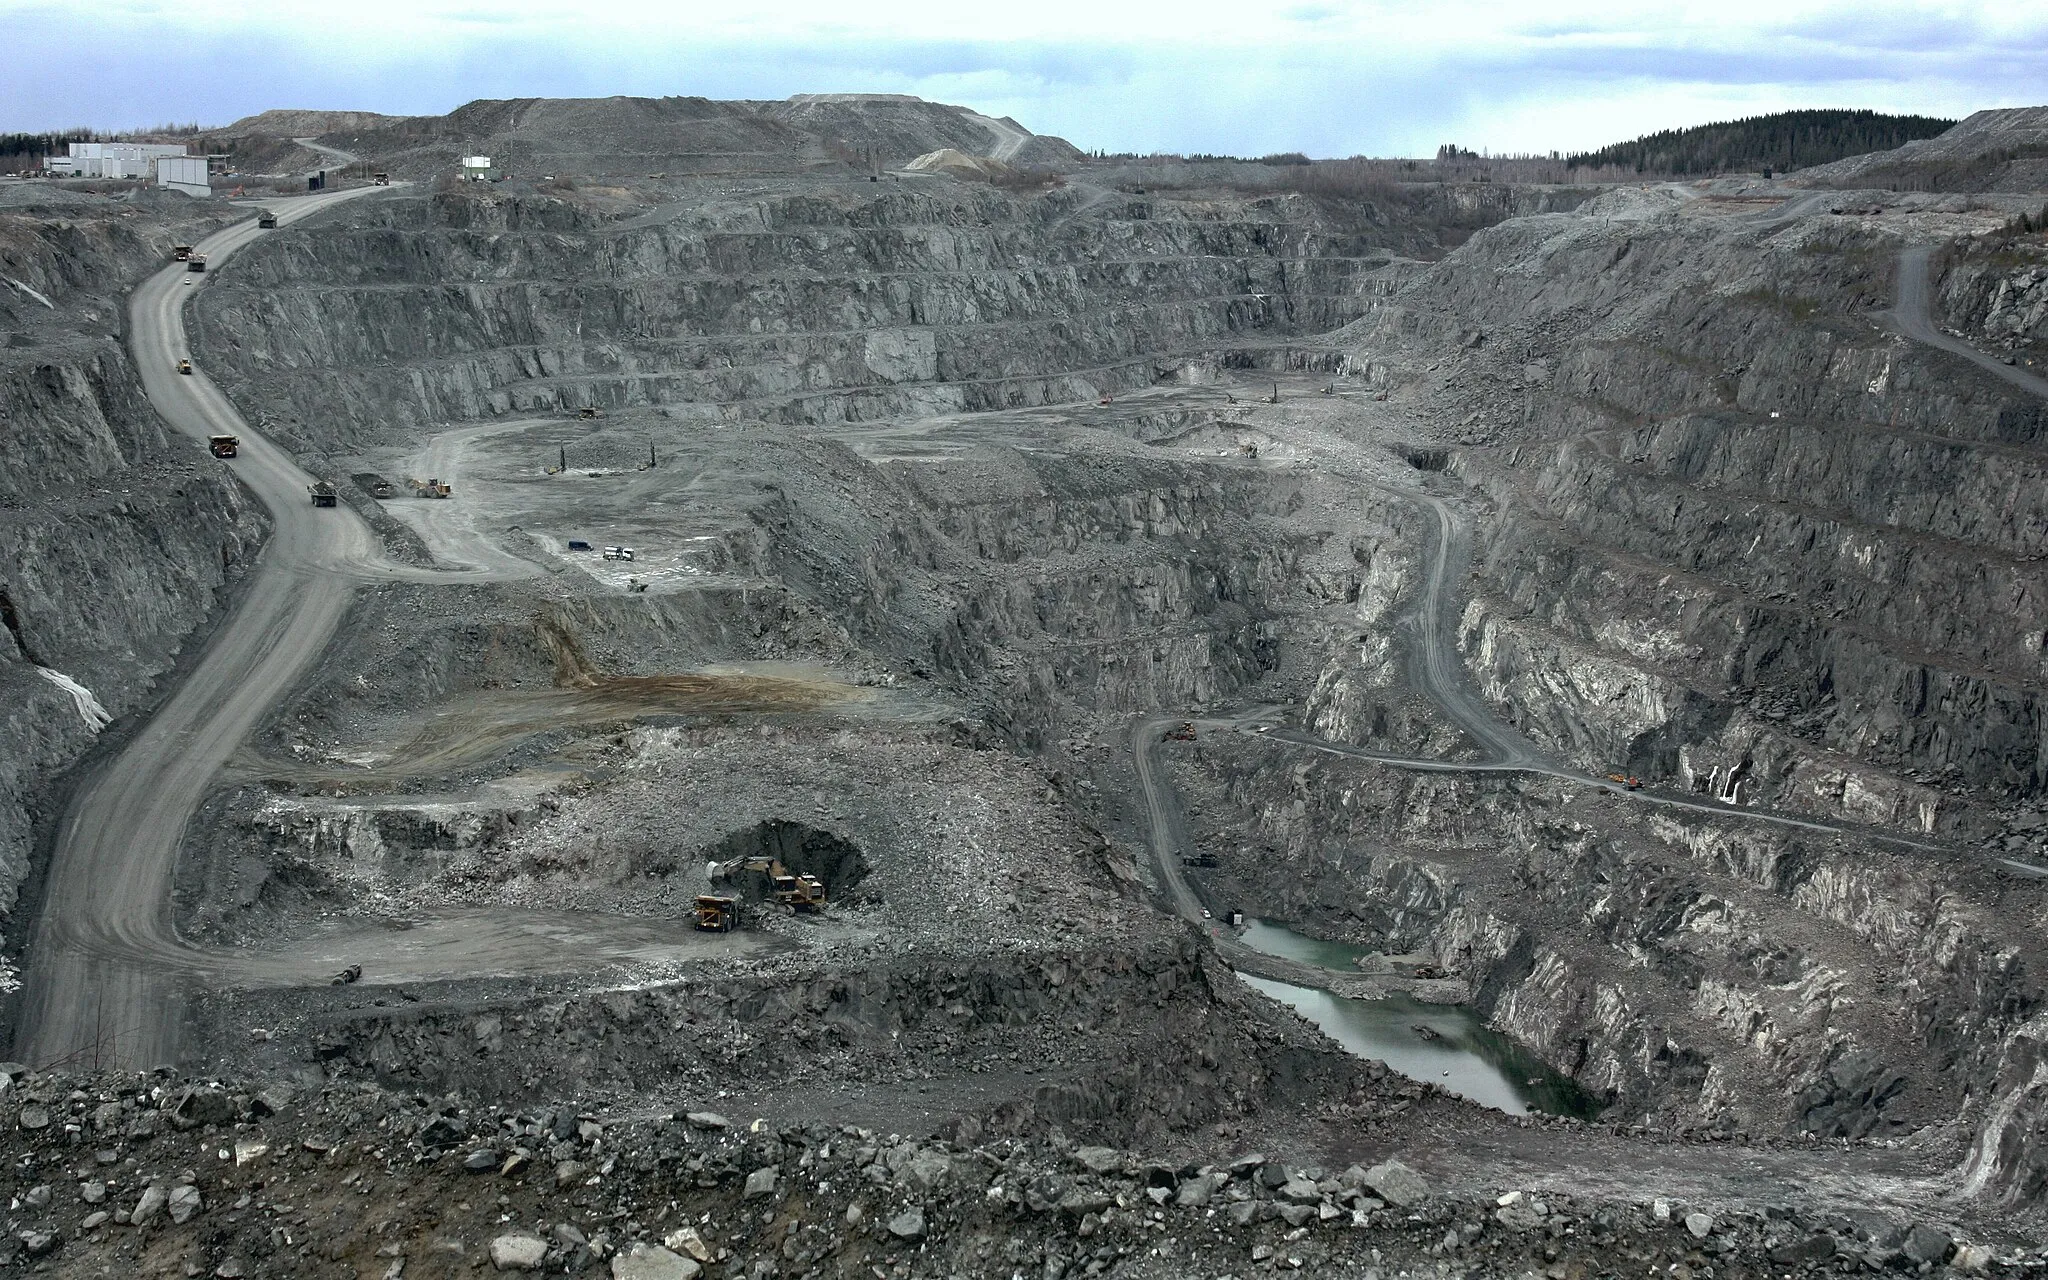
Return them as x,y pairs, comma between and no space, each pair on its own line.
536,836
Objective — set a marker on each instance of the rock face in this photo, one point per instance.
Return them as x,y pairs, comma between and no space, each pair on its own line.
1997,293
1701,571
115,538
833,307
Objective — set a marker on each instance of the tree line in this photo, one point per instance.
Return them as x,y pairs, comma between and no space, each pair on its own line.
1781,141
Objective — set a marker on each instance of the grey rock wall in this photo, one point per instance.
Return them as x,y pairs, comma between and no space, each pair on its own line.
1749,540
794,309
116,538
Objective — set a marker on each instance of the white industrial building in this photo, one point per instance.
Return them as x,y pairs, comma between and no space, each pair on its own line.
183,173
113,159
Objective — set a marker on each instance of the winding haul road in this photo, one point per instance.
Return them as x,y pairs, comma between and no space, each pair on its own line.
1436,671
105,965
1914,316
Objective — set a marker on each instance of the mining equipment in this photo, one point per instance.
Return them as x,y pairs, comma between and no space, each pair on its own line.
223,446
266,220
380,179
323,493
1203,861
382,489
196,262
797,892
618,553
717,914
181,253
588,412
185,366
1183,732
1629,781
353,973
431,488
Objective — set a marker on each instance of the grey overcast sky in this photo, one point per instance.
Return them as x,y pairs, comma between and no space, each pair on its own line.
1329,77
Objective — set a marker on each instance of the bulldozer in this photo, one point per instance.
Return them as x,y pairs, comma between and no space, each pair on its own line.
784,887
223,446
717,913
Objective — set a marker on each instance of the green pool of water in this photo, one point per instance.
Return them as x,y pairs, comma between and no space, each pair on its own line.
1458,1051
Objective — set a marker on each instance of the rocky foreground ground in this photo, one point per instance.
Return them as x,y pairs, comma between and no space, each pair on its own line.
155,1175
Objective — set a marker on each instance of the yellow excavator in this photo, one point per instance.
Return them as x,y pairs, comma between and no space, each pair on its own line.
803,893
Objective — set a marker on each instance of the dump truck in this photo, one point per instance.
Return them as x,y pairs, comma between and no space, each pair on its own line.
181,253
266,220
717,913
618,553
224,446
197,262
323,493
774,882
381,489
185,366
588,412
380,179
1629,781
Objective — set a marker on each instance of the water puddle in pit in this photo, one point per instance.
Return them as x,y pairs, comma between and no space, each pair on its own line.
1464,1055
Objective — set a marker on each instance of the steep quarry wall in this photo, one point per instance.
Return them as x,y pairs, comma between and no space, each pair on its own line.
115,539
1747,539
1698,973
1996,292
1744,541
909,299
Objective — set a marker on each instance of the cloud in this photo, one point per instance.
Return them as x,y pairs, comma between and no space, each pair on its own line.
1337,77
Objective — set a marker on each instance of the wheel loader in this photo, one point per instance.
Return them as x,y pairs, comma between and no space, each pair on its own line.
803,893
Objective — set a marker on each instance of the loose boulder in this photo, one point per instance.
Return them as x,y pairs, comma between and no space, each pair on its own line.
1397,1184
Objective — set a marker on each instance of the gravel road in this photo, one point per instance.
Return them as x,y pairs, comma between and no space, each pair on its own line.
104,963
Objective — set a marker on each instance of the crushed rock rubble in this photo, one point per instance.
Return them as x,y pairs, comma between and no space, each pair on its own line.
233,1180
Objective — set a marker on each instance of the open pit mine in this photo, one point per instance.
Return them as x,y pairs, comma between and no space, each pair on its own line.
833,688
